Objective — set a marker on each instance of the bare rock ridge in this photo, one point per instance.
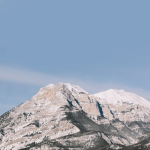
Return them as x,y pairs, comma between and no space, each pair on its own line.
65,116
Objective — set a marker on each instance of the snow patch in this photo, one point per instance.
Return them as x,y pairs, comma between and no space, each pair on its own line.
50,86
74,88
114,96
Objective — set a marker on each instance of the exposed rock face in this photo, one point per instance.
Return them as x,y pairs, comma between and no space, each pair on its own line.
126,106
67,117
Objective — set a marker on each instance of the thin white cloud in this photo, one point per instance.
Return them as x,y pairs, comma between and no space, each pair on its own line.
26,76
41,79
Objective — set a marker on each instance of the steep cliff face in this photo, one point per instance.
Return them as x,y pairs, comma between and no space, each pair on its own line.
65,116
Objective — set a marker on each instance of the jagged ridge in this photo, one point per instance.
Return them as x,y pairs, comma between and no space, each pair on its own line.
66,116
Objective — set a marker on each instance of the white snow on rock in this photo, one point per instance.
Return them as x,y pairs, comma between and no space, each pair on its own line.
74,88
50,86
114,96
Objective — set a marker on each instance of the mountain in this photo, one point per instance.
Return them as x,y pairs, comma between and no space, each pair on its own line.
126,106
65,116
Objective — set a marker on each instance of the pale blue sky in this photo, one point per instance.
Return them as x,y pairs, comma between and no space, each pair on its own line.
95,44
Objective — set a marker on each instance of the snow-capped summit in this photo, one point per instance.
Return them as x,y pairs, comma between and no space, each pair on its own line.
50,86
114,96
74,88
45,92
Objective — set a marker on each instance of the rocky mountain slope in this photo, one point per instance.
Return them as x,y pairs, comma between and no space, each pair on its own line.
64,116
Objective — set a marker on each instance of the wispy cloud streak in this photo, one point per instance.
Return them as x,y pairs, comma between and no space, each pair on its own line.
18,75
26,76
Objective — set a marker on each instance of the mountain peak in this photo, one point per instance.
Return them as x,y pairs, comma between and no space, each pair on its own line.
115,90
50,86
47,91
74,88
113,96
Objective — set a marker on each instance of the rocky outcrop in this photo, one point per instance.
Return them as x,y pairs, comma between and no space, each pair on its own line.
125,106
67,117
